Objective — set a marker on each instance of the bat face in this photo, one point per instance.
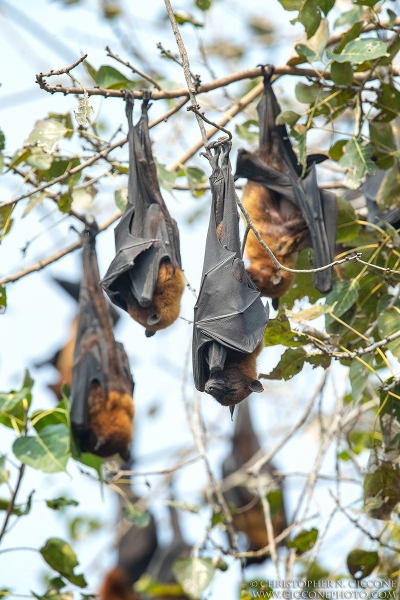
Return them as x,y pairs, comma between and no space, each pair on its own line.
230,386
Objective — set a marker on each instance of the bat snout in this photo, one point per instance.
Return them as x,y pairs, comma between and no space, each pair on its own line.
215,385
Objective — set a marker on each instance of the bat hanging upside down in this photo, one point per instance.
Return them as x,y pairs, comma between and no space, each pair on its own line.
101,392
145,278
286,207
229,319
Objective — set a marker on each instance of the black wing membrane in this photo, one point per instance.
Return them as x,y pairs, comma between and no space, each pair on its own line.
250,517
97,356
146,233
318,207
229,313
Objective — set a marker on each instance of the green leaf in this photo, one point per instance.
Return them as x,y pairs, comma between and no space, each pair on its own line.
342,297
35,200
290,364
59,556
47,134
48,451
154,589
2,140
351,34
8,401
279,332
315,46
299,134
291,4
59,503
357,160
1,162
5,220
166,178
90,70
388,196
347,227
17,510
111,79
326,5
195,177
136,515
308,314
309,16
359,50
66,120
4,473
194,574
186,506
342,73
381,135
307,94
336,151
248,131
349,17
183,17
361,563
359,374
392,17
121,198
388,101
389,323
203,4
82,198
287,116
39,160
3,299
304,541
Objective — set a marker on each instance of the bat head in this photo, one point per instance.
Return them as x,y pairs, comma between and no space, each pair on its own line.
231,386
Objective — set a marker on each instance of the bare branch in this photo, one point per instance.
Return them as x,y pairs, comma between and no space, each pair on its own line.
54,257
63,69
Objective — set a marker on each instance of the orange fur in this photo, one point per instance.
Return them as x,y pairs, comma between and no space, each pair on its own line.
110,422
282,228
231,385
116,586
166,299
64,363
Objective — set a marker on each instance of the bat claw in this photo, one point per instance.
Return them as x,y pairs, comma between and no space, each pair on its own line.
267,71
232,410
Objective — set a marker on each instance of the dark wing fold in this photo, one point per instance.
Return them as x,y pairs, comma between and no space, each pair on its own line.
229,311
146,233
318,208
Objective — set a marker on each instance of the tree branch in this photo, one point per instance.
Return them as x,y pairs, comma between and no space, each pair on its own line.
133,69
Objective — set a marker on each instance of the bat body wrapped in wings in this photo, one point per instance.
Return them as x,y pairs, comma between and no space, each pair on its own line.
248,515
287,208
229,317
63,359
145,278
101,392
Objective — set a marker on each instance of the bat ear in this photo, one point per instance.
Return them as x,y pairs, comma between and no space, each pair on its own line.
153,320
149,333
255,386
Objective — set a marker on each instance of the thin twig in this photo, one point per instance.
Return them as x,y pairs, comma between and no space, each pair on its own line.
54,257
63,69
186,69
11,504
176,467
268,524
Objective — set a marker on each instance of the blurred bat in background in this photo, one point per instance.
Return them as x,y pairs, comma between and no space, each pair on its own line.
101,391
229,317
286,206
63,358
241,495
145,278
139,554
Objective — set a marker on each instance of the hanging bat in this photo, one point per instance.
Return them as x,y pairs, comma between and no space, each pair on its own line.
136,548
248,514
229,317
139,554
286,207
160,567
63,358
101,391
145,278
